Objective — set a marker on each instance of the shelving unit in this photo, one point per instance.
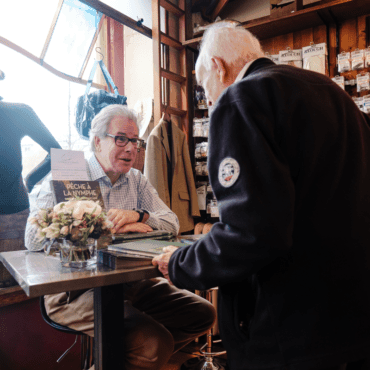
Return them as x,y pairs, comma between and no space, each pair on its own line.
328,12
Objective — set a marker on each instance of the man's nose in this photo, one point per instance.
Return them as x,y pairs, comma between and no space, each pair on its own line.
129,147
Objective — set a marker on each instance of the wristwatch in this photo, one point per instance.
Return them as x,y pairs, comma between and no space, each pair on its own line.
141,213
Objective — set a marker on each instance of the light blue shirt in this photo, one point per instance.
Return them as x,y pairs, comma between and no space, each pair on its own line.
131,190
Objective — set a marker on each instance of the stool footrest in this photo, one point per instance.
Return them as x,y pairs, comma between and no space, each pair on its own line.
214,351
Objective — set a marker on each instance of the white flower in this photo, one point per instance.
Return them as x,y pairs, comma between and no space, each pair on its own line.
86,206
42,223
51,231
43,213
40,234
64,230
34,220
65,207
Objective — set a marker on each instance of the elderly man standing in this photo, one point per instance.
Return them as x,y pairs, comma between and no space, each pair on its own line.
159,318
288,162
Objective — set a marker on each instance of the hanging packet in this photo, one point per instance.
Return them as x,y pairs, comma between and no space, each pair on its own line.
357,59
291,57
274,57
344,62
366,104
359,102
339,80
367,57
363,81
314,58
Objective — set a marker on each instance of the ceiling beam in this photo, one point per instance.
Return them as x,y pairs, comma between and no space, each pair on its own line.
219,8
118,16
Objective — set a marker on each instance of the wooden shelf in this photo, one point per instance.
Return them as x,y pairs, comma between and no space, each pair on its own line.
326,13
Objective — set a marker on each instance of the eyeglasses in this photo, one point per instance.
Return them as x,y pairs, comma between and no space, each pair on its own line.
122,140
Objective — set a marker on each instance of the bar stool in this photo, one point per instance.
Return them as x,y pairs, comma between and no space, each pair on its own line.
208,361
86,341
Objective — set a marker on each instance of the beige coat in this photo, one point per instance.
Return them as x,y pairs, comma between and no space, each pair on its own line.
183,200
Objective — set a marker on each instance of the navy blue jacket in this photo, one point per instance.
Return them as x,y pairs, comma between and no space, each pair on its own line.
291,253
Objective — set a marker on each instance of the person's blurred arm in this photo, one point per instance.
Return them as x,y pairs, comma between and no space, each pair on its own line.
37,131
40,198
38,173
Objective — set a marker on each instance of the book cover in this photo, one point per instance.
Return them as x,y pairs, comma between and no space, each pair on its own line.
65,190
146,247
118,260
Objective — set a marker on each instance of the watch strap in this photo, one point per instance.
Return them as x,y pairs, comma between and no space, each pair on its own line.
141,213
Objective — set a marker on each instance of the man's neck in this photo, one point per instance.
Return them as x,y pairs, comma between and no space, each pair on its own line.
113,176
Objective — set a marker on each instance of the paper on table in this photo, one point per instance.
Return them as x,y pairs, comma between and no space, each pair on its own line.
68,165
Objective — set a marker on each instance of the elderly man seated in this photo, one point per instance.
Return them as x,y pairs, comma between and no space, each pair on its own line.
159,318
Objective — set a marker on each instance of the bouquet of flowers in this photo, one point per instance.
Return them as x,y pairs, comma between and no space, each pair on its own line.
75,222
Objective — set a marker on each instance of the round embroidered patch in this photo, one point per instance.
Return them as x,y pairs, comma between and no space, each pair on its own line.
228,172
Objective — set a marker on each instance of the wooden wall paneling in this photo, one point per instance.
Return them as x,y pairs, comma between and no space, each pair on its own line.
332,49
320,35
268,46
348,35
302,38
184,87
116,54
157,83
173,26
361,32
275,44
190,102
348,41
362,42
166,64
284,41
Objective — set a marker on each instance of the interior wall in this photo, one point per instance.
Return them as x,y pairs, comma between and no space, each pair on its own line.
138,66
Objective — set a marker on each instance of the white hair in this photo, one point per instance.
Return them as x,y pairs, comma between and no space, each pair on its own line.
230,42
99,125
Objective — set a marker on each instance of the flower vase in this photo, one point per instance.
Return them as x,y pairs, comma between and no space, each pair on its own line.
77,254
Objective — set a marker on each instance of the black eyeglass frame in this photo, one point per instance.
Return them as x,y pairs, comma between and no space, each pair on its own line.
139,143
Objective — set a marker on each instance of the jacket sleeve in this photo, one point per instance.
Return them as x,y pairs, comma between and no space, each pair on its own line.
154,166
194,207
256,211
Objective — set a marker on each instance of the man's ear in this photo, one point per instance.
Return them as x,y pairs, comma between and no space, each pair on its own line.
97,143
220,67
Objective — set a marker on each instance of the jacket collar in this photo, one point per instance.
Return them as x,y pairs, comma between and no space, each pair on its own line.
165,140
258,64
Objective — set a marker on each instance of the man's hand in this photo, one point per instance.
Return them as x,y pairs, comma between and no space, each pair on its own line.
162,261
136,227
121,217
